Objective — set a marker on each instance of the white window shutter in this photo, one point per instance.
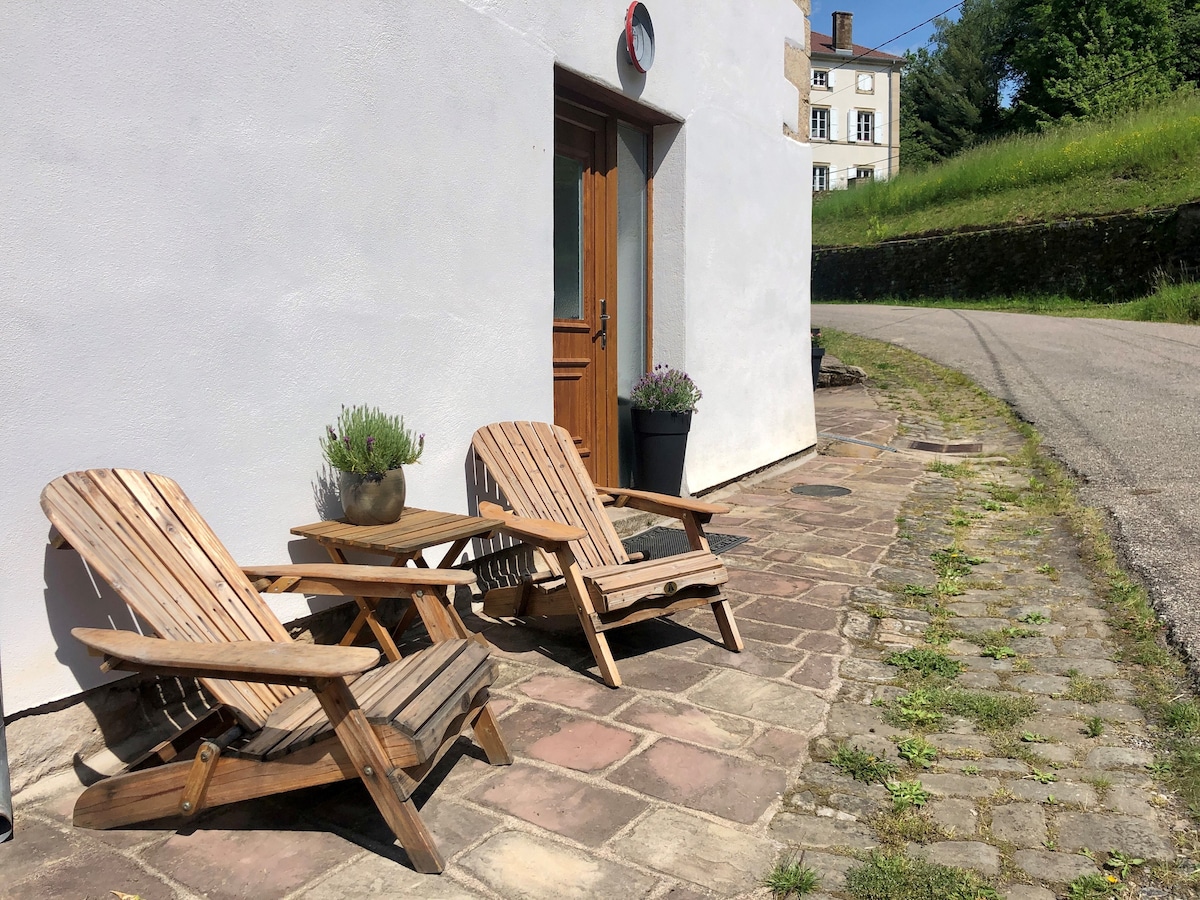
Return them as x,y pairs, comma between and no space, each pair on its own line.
878,131
864,82
851,126
833,124
830,77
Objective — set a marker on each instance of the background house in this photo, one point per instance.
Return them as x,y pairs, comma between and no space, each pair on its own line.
224,220
854,109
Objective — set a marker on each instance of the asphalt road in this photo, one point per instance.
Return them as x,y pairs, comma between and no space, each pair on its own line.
1117,402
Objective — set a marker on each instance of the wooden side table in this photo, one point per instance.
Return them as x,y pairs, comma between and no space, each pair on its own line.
405,541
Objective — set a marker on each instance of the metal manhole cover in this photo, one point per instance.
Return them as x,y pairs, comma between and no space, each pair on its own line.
820,490
934,447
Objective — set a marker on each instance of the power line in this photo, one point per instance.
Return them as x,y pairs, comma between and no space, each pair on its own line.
894,39
867,53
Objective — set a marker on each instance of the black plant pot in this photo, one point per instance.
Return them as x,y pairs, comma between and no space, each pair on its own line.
818,353
659,445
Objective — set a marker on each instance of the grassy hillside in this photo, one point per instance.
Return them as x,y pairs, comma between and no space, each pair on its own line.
1147,160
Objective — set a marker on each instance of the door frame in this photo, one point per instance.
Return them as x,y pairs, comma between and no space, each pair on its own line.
574,91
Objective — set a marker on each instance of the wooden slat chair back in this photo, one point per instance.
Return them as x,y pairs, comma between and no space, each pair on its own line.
539,471
537,468
309,714
144,537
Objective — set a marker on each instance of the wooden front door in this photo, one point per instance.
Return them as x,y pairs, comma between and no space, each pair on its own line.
585,398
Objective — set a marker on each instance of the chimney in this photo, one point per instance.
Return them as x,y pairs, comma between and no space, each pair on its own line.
843,29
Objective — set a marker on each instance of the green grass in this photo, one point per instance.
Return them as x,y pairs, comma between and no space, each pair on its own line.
924,708
926,662
894,876
861,765
791,878
1141,161
1175,303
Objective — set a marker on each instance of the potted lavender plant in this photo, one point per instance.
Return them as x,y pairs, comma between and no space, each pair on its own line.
661,406
369,448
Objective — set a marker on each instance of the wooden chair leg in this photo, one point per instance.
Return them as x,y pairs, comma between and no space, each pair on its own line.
489,737
373,766
729,629
587,617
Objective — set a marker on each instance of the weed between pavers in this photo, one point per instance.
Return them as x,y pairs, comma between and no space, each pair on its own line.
925,662
861,765
1086,690
791,878
923,708
1047,493
894,876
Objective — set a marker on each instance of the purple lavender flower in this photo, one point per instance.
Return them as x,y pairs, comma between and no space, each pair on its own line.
370,443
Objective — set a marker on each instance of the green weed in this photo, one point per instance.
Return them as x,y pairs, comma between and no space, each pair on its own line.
894,876
861,765
925,662
906,794
1094,887
1093,726
950,470
1086,690
924,708
1182,717
917,752
1034,618
998,651
791,878
897,827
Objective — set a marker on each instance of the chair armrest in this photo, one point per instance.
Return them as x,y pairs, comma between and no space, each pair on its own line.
352,581
665,504
540,532
271,662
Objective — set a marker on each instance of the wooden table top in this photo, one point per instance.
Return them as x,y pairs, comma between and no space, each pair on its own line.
416,530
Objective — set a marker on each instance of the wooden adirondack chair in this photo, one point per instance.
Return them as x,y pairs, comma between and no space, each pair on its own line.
556,508
291,715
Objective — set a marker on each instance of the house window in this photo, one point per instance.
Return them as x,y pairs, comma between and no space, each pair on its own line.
820,124
864,173
820,78
866,83
865,127
820,178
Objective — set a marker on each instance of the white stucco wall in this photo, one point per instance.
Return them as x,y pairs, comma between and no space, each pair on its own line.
222,220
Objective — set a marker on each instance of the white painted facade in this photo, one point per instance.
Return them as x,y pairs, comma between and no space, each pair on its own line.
848,90
223,219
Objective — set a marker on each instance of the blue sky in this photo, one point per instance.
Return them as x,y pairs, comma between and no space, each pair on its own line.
876,21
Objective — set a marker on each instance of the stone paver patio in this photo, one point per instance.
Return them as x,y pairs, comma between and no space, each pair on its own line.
691,780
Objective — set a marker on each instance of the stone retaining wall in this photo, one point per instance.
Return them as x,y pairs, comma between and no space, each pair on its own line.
1104,258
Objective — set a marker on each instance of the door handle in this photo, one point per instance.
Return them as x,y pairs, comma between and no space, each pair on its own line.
604,317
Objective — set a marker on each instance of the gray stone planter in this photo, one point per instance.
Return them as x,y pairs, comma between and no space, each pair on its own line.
372,499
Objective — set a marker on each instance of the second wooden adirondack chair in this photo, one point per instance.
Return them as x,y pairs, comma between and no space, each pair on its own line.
556,508
290,715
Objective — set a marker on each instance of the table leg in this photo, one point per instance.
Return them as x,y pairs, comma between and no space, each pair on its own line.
448,619
366,615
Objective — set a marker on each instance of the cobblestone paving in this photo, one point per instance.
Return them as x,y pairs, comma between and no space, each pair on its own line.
1033,805
693,779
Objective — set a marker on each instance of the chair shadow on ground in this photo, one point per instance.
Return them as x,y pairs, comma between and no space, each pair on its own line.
344,808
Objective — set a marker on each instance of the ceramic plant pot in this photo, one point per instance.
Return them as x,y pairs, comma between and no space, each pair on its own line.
659,445
372,499
818,354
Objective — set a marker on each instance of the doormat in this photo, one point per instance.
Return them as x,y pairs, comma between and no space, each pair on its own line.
660,542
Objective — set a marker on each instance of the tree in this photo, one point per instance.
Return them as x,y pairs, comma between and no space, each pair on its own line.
951,96
1085,58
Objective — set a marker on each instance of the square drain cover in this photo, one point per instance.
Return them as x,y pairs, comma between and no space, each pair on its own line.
820,490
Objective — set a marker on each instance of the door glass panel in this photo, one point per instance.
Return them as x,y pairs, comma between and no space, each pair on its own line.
568,238
632,147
